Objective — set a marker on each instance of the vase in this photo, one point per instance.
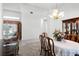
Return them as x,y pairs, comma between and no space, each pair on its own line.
58,39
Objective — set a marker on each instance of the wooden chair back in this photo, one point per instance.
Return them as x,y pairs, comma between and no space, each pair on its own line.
49,47
42,43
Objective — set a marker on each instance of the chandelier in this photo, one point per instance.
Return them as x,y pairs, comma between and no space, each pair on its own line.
57,13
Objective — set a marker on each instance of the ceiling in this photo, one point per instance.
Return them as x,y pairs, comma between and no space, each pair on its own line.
70,9
45,6
48,6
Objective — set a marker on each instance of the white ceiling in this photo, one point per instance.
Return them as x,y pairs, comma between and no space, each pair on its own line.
42,5
45,6
49,6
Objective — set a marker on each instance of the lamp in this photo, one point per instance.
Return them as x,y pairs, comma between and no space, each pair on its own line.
57,13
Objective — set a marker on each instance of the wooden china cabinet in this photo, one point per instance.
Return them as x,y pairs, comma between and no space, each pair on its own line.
71,29
11,36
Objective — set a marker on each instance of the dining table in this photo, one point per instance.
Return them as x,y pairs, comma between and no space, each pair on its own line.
66,47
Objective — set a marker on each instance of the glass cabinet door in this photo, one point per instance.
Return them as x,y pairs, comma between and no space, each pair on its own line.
9,30
74,27
12,29
69,28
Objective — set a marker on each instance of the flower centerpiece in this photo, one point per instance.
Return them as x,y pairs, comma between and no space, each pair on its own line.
57,35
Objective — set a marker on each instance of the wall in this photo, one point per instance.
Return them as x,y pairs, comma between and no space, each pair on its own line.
31,23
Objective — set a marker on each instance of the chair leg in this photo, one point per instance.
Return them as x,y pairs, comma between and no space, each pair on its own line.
54,53
41,52
46,53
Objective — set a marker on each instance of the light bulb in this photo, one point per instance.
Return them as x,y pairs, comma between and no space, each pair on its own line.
55,10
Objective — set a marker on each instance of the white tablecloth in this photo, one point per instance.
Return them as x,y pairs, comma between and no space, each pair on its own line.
66,48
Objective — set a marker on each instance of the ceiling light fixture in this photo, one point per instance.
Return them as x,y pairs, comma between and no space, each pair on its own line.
57,13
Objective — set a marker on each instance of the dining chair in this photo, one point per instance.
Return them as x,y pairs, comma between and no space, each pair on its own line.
49,47
44,34
41,37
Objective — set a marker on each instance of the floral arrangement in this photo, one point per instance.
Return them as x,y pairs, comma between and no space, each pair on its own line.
58,35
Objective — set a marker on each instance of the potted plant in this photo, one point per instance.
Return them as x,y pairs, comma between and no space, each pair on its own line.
57,35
